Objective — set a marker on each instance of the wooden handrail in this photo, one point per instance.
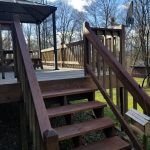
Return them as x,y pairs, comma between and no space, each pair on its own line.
113,108
139,95
74,43
40,110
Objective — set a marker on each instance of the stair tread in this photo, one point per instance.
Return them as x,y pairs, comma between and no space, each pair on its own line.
113,143
70,109
48,94
77,129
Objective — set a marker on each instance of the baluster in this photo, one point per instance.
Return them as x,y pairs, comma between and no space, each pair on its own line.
134,103
86,54
33,127
93,59
123,100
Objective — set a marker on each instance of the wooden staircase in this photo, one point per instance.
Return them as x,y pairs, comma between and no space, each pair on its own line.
38,113
64,92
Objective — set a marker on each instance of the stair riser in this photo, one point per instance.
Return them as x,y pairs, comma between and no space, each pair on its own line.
67,98
64,84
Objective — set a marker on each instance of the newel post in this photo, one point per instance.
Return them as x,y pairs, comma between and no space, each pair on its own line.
51,140
86,48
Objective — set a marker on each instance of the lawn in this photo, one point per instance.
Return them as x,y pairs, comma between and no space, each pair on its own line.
100,98
109,113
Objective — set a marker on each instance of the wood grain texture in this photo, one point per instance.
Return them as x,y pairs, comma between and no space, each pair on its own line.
82,128
50,94
34,88
74,108
140,96
68,84
113,143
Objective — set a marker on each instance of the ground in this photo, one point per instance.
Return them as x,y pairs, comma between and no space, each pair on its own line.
9,127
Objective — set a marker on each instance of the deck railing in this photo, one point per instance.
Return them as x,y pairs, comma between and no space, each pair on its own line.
70,55
94,47
37,133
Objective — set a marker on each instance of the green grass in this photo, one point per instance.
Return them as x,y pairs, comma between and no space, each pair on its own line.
100,98
108,111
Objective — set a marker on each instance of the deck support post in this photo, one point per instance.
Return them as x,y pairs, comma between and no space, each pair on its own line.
2,55
40,48
55,40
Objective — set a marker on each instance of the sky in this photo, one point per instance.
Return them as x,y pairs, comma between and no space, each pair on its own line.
78,4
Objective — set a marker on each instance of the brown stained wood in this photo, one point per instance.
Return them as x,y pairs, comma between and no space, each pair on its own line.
134,104
40,109
82,128
104,74
56,93
66,55
15,91
2,55
68,84
113,143
74,108
141,97
122,45
10,93
93,59
110,84
123,100
114,109
117,92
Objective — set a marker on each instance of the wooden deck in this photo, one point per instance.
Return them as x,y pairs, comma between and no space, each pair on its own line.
46,74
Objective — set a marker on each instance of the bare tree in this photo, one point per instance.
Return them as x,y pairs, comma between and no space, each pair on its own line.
100,12
68,20
142,21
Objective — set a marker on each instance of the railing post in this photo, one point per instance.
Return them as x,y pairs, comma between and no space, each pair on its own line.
123,101
62,51
55,40
51,140
86,51
2,55
122,46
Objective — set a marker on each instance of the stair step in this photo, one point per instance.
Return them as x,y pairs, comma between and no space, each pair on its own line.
50,94
70,131
113,143
74,108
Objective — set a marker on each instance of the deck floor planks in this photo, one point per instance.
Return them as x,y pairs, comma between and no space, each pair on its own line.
45,74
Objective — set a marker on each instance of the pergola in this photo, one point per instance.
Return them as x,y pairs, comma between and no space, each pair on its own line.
28,12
